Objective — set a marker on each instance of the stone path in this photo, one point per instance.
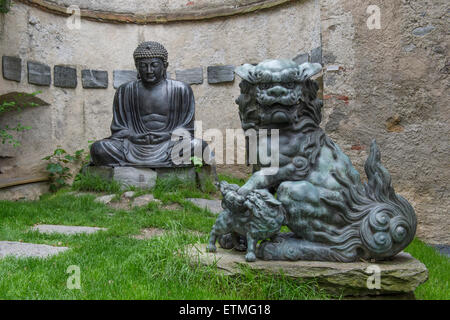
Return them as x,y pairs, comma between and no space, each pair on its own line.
105,199
127,200
25,250
68,230
215,206
144,200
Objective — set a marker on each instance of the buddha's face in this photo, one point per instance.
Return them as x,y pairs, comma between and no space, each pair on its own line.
151,70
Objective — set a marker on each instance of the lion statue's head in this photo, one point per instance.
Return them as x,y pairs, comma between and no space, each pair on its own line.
276,93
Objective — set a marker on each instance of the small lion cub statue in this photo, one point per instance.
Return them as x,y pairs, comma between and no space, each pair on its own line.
257,216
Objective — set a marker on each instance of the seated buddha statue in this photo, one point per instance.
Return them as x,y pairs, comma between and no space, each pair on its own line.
146,114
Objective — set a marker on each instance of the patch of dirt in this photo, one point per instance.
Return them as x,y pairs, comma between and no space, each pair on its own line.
148,233
172,206
123,204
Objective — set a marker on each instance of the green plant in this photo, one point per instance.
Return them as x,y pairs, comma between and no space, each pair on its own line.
438,265
197,162
6,132
89,182
5,6
58,170
231,179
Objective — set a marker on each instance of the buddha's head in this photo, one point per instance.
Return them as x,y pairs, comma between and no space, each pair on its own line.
151,62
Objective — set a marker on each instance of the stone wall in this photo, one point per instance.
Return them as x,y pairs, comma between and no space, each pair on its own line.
390,84
79,114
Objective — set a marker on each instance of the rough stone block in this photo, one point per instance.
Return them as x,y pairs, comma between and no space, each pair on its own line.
207,178
39,74
26,250
12,68
105,173
128,176
144,178
184,174
93,79
316,55
301,58
139,177
65,77
123,76
402,274
219,74
190,76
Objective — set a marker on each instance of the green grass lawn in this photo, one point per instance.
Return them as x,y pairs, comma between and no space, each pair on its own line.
115,266
436,288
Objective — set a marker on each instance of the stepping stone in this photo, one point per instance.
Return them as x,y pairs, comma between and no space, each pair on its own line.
144,178
69,230
187,174
401,275
129,194
25,250
215,206
148,233
144,200
105,199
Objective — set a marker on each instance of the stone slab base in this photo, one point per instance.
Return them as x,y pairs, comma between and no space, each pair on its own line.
399,276
145,178
27,250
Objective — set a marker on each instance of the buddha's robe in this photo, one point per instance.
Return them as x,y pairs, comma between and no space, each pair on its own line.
118,150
